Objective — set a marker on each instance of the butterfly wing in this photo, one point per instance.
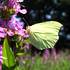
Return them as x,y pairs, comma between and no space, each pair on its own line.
44,35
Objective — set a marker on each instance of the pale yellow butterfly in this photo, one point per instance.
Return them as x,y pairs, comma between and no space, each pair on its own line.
44,35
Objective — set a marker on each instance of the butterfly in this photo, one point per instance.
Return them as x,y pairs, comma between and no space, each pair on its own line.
44,35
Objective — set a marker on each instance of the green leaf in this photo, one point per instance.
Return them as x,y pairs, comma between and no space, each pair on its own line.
17,45
8,54
20,54
44,35
27,40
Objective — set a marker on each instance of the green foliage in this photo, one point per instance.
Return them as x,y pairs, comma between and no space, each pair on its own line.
44,35
60,64
8,55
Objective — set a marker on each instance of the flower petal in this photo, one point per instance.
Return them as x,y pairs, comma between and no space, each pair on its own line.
10,33
23,11
20,0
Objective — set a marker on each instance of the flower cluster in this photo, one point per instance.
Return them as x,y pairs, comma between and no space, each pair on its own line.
16,6
10,25
14,26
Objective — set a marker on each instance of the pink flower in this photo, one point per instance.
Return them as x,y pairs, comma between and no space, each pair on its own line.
20,0
1,57
20,32
26,35
11,3
27,46
16,6
2,32
15,23
10,33
17,26
23,11
17,9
